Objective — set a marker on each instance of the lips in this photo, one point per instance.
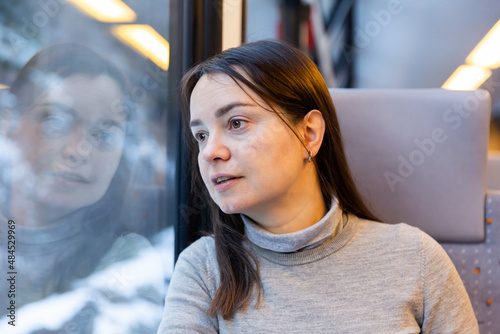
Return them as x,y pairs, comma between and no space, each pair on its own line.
221,178
72,177
222,182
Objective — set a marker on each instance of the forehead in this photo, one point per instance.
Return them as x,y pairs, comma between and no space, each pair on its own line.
214,91
93,97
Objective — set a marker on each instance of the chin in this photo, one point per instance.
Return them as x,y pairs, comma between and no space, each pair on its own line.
231,207
68,204
227,209
67,201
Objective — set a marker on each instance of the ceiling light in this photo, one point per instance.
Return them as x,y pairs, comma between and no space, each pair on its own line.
106,10
487,52
145,40
467,77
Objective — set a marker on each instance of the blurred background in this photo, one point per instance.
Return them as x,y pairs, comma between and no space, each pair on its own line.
390,44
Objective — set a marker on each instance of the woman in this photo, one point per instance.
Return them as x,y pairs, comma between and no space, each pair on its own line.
65,129
294,248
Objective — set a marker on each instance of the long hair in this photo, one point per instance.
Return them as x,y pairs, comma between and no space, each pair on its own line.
57,62
286,78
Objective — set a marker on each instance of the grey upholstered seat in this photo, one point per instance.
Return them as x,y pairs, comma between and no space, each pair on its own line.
420,156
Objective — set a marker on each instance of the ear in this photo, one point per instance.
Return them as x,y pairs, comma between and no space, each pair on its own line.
314,130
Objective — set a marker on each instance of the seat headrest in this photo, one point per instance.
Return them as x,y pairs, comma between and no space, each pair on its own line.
419,156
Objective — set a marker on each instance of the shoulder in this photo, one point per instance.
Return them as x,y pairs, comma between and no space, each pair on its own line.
125,247
198,263
399,237
400,232
191,290
196,267
131,254
203,243
131,242
199,253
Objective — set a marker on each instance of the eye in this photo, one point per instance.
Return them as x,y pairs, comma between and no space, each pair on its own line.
106,139
54,124
200,137
236,123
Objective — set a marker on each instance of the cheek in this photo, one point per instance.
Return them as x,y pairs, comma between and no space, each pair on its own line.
275,145
106,165
263,143
278,157
203,169
39,152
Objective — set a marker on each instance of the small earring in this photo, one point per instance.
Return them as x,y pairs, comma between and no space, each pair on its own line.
310,156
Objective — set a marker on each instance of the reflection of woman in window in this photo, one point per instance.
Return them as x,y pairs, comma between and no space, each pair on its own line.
294,248
66,128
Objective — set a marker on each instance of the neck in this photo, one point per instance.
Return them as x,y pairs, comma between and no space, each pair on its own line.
294,211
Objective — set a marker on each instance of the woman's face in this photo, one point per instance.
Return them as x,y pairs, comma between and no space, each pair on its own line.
249,160
71,139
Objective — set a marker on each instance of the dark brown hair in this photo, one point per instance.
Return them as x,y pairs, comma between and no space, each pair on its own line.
286,78
59,61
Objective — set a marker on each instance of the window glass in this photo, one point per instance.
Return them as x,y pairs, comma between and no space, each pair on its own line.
262,20
85,243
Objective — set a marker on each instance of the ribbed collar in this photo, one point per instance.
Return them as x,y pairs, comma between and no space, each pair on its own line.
307,238
327,248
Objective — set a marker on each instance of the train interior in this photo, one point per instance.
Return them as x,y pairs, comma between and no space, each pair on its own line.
416,85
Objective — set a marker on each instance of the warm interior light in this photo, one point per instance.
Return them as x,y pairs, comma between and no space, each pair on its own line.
146,41
2,86
106,10
487,52
232,20
467,77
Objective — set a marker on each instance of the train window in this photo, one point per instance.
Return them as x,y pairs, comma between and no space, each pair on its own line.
262,20
86,246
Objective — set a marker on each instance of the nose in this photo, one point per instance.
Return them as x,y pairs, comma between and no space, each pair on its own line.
215,150
77,150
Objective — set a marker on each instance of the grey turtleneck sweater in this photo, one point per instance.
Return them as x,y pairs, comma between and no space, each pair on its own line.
341,275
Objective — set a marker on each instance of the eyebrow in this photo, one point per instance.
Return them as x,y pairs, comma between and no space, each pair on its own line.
60,106
73,113
221,112
112,122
